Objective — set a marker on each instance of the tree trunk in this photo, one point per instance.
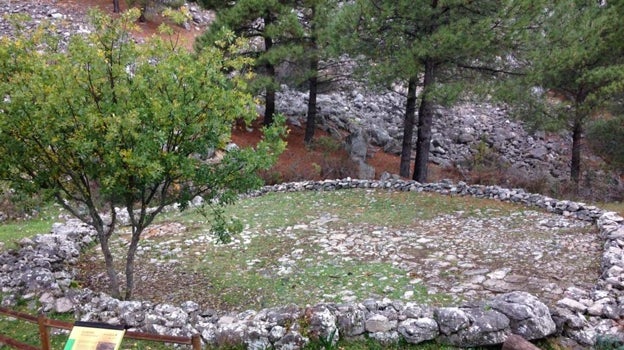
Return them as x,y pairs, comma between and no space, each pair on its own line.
108,260
269,100
142,18
577,138
116,8
425,121
134,243
408,128
311,120
269,108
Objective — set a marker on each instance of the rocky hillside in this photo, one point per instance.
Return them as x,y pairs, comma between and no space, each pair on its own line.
459,133
473,142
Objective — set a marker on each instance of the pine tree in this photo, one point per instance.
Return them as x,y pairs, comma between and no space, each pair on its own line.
573,50
273,29
422,43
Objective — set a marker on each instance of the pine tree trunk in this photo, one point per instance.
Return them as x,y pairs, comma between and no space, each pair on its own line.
269,99
311,120
142,18
577,138
116,8
269,107
408,128
425,121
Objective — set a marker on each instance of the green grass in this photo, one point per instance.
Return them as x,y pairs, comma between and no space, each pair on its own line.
377,207
249,274
13,231
617,207
28,333
10,233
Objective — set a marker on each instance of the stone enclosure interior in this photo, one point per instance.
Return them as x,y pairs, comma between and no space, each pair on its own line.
41,271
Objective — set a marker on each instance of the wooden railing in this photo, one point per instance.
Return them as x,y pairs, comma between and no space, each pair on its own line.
46,323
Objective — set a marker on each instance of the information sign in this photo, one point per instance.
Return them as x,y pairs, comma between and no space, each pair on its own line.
94,336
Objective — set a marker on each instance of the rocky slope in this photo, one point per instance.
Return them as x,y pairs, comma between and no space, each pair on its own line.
466,137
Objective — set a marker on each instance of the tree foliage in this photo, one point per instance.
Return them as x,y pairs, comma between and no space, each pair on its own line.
572,51
606,137
270,25
109,123
424,44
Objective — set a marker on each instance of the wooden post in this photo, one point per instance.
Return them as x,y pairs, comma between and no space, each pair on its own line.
44,332
516,342
196,342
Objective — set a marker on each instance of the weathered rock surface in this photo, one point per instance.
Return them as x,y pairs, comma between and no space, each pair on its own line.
528,317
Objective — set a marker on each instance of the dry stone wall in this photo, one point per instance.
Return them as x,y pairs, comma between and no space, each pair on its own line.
41,273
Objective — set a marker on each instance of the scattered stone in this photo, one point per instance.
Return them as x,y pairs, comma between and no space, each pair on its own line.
38,272
572,305
379,323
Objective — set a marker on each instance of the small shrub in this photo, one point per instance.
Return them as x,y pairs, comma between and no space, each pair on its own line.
338,167
174,4
326,145
271,177
486,166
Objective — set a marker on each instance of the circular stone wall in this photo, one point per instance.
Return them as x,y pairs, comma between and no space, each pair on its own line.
39,271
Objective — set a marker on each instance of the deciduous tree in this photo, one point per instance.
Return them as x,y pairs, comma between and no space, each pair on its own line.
111,123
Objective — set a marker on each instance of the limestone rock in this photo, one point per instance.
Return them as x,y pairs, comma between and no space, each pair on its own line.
63,305
451,319
322,324
291,341
379,323
350,320
486,327
528,316
390,337
416,331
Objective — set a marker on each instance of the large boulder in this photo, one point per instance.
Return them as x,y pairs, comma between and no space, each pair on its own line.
472,326
528,316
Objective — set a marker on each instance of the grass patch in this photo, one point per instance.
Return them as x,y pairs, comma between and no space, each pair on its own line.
12,231
28,333
376,207
617,207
